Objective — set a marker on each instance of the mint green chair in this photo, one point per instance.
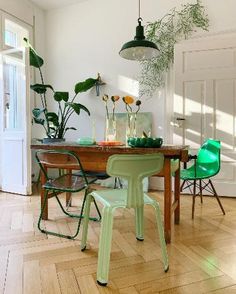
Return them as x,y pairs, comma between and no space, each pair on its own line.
198,175
133,168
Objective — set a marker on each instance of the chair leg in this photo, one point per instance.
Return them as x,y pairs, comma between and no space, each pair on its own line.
78,216
139,223
98,211
86,221
200,190
161,235
217,197
42,210
194,196
105,246
182,186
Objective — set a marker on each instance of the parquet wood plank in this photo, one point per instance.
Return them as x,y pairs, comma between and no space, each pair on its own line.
68,282
87,285
31,278
14,277
4,254
49,279
202,286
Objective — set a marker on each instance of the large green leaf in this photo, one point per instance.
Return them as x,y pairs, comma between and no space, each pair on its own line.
77,107
59,96
35,60
85,85
37,112
40,88
39,121
53,117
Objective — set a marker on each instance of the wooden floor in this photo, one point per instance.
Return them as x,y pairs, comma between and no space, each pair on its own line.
202,254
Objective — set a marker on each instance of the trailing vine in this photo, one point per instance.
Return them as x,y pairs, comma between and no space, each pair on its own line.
166,32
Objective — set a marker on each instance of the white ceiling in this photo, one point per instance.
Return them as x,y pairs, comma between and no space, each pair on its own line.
50,4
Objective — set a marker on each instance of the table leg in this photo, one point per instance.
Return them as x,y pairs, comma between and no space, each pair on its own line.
167,199
177,195
43,181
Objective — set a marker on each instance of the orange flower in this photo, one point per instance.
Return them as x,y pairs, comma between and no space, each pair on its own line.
115,98
105,97
128,99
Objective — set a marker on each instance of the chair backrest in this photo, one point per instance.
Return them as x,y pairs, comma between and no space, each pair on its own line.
209,156
134,168
61,159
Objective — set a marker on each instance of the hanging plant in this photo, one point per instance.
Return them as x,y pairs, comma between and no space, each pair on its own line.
166,32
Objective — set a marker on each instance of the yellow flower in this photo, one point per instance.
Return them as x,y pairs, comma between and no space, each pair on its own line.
115,98
128,99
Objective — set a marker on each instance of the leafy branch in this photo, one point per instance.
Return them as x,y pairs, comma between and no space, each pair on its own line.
166,32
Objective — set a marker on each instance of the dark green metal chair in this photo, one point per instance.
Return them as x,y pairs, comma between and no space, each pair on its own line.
197,177
66,182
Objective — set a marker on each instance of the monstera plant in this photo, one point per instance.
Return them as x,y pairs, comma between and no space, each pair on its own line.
55,124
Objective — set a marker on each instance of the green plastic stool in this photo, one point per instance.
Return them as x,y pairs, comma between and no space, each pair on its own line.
133,168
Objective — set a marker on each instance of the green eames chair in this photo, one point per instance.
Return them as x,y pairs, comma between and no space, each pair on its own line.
66,182
133,168
206,164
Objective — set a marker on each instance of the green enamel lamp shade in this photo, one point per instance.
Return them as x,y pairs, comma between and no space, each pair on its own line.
139,48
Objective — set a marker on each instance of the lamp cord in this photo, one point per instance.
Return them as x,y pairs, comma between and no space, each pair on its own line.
139,9
139,12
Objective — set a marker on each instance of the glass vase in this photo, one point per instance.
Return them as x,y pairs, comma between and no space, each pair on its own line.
110,132
131,131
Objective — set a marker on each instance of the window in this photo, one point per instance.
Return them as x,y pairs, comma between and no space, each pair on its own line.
14,34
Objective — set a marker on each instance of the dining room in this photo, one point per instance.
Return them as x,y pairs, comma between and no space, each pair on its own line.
117,146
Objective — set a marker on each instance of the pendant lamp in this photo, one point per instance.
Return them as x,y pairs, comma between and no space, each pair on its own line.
139,48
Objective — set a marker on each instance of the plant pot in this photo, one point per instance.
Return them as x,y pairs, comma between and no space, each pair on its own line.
53,140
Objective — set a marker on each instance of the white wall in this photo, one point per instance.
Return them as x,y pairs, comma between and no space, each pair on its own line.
85,38
22,9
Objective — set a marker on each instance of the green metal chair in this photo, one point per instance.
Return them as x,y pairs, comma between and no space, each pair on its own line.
133,168
66,182
206,164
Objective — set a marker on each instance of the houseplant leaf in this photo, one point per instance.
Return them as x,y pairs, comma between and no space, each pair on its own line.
59,96
70,128
53,117
85,85
40,88
37,112
35,60
39,121
77,107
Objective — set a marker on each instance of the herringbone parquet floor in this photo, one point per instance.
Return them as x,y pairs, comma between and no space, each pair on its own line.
202,254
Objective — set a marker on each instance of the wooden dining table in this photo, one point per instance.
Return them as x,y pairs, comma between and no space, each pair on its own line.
94,158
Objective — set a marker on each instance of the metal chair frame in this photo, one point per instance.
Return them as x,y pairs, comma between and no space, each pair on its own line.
55,191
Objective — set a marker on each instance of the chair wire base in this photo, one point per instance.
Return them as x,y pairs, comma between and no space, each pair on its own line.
79,216
193,185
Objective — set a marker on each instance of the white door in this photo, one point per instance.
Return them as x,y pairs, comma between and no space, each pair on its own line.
205,100
15,122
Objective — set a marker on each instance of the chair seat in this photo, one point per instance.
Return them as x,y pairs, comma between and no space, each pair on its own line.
68,183
98,175
200,173
116,198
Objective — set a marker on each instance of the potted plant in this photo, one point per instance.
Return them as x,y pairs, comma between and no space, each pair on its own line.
55,124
